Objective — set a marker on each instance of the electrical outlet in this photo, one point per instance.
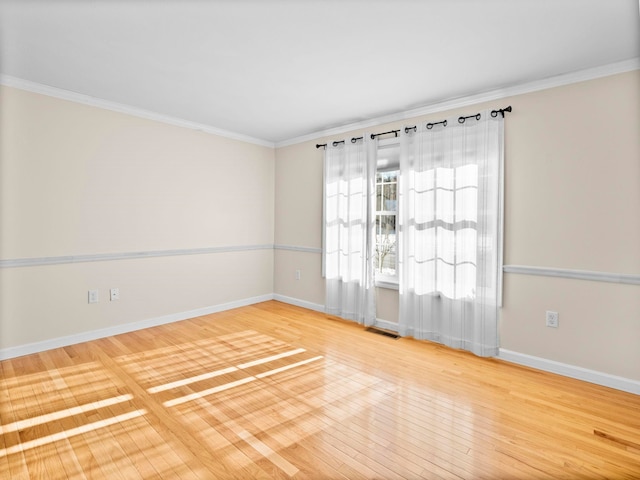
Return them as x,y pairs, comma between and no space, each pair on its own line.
552,319
93,296
298,274
115,294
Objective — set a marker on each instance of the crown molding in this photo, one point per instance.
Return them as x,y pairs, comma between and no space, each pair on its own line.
551,82
63,94
537,85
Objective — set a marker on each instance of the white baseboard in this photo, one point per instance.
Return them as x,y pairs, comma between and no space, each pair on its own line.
13,352
387,325
299,303
543,364
592,376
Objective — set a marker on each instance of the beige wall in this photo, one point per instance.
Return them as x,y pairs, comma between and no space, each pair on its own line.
298,198
572,201
80,180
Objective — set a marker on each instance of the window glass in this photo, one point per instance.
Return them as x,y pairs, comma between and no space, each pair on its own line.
386,220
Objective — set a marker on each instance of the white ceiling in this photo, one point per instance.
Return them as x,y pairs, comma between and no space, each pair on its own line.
275,70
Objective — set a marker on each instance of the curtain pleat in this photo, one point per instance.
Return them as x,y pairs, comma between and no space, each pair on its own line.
450,233
349,226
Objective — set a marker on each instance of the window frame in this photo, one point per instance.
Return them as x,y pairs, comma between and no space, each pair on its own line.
388,160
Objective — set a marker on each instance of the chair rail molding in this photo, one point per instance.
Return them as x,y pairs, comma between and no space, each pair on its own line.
626,278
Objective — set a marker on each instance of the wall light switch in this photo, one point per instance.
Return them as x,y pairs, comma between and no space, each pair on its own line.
93,296
115,294
552,319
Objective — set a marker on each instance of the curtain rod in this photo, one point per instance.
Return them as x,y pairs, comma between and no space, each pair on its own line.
461,119
431,125
477,116
494,113
338,142
374,135
335,144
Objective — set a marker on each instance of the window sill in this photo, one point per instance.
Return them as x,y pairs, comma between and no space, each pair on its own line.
391,284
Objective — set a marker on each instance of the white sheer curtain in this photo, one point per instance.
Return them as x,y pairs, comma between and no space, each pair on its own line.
451,233
349,212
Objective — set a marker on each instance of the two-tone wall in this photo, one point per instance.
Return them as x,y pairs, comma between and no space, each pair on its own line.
180,221
185,222
572,204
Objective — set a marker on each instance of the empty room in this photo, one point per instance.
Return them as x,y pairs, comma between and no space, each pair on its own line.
320,239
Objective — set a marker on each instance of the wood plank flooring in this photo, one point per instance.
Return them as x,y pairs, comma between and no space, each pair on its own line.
273,391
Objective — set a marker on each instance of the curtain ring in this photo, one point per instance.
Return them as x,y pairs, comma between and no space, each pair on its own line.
431,125
463,119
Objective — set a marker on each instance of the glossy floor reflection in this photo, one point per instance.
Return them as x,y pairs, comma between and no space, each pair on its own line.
274,391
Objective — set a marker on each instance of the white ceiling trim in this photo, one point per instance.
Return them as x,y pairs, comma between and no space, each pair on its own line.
556,81
63,94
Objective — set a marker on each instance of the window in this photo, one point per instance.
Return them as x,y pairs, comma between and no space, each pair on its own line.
386,249
386,216
421,214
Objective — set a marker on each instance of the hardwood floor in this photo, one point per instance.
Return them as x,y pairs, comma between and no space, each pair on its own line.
275,391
